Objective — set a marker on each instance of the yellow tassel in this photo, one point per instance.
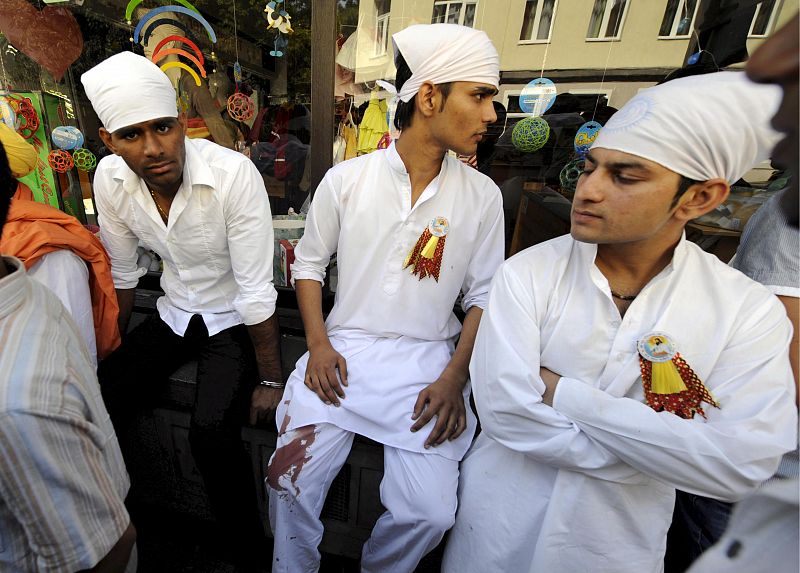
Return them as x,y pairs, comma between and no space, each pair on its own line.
430,247
665,379
408,259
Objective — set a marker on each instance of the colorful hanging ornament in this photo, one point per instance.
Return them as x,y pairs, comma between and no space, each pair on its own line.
569,175
669,382
530,134
278,19
67,137
280,46
29,122
537,96
60,160
84,159
426,256
240,107
585,137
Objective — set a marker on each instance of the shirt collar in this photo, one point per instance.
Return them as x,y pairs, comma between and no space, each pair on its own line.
195,171
394,159
13,287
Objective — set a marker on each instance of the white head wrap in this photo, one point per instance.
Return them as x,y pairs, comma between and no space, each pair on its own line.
442,53
126,89
702,127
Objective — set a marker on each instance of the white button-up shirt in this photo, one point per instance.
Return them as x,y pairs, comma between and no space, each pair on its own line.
588,485
217,248
362,211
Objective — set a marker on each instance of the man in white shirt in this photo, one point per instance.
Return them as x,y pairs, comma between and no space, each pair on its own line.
204,210
62,479
589,426
412,228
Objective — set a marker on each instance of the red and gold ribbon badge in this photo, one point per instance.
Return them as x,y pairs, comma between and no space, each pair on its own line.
669,382
426,256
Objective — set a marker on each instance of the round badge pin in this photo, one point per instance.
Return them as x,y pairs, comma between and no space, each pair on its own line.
656,347
439,227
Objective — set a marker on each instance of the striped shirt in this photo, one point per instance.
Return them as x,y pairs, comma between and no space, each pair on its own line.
62,478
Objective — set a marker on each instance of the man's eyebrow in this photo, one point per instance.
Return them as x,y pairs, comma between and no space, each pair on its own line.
485,90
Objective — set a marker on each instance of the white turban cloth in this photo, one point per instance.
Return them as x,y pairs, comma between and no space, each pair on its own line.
126,89
702,127
441,53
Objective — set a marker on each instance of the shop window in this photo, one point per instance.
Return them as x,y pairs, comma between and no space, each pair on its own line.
454,13
381,43
763,19
537,22
678,19
607,19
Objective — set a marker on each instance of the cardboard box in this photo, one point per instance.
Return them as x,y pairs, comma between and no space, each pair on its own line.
286,254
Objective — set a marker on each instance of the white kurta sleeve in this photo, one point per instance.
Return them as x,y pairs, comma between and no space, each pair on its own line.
117,237
740,444
488,255
321,236
251,243
508,389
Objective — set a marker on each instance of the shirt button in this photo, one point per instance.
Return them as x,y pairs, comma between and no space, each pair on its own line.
733,549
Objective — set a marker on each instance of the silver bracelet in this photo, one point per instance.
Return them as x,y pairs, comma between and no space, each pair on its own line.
275,385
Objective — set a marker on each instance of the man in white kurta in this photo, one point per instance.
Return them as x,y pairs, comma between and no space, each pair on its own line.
393,331
574,470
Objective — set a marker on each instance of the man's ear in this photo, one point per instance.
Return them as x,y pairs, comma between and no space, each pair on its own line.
427,99
702,198
106,138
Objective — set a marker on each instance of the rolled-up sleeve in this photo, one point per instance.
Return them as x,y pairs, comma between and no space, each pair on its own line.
321,236
251,243
116,236
488,255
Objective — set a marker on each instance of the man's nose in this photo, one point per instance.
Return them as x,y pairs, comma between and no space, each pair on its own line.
152,146
589,187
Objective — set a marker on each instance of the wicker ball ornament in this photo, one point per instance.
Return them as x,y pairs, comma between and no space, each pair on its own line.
530,134
84,159
570,174
25,110
60,160
241,107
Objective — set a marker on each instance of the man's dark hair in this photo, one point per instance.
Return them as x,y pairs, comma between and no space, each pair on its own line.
8,185
405,110
683,186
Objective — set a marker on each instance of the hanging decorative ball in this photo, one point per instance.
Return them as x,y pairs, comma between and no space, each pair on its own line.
570,174
530,134
240,107
585,137
25,110
84,159
60,160
67,137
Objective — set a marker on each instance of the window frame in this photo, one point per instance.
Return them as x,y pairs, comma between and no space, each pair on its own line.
776,8
380,46
536,20
462,12
676,22
606,18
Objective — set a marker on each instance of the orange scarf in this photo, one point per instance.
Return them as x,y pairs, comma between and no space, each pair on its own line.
34,230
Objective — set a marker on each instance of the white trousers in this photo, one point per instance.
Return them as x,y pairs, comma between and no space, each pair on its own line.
417,490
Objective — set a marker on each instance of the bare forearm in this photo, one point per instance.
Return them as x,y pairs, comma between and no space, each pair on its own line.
125,298
459,363
309,299
266,342
117,559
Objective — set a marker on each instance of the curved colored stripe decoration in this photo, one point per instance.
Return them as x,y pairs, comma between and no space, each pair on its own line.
193,73
172,8
183,40
134,3
157,57
151,27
